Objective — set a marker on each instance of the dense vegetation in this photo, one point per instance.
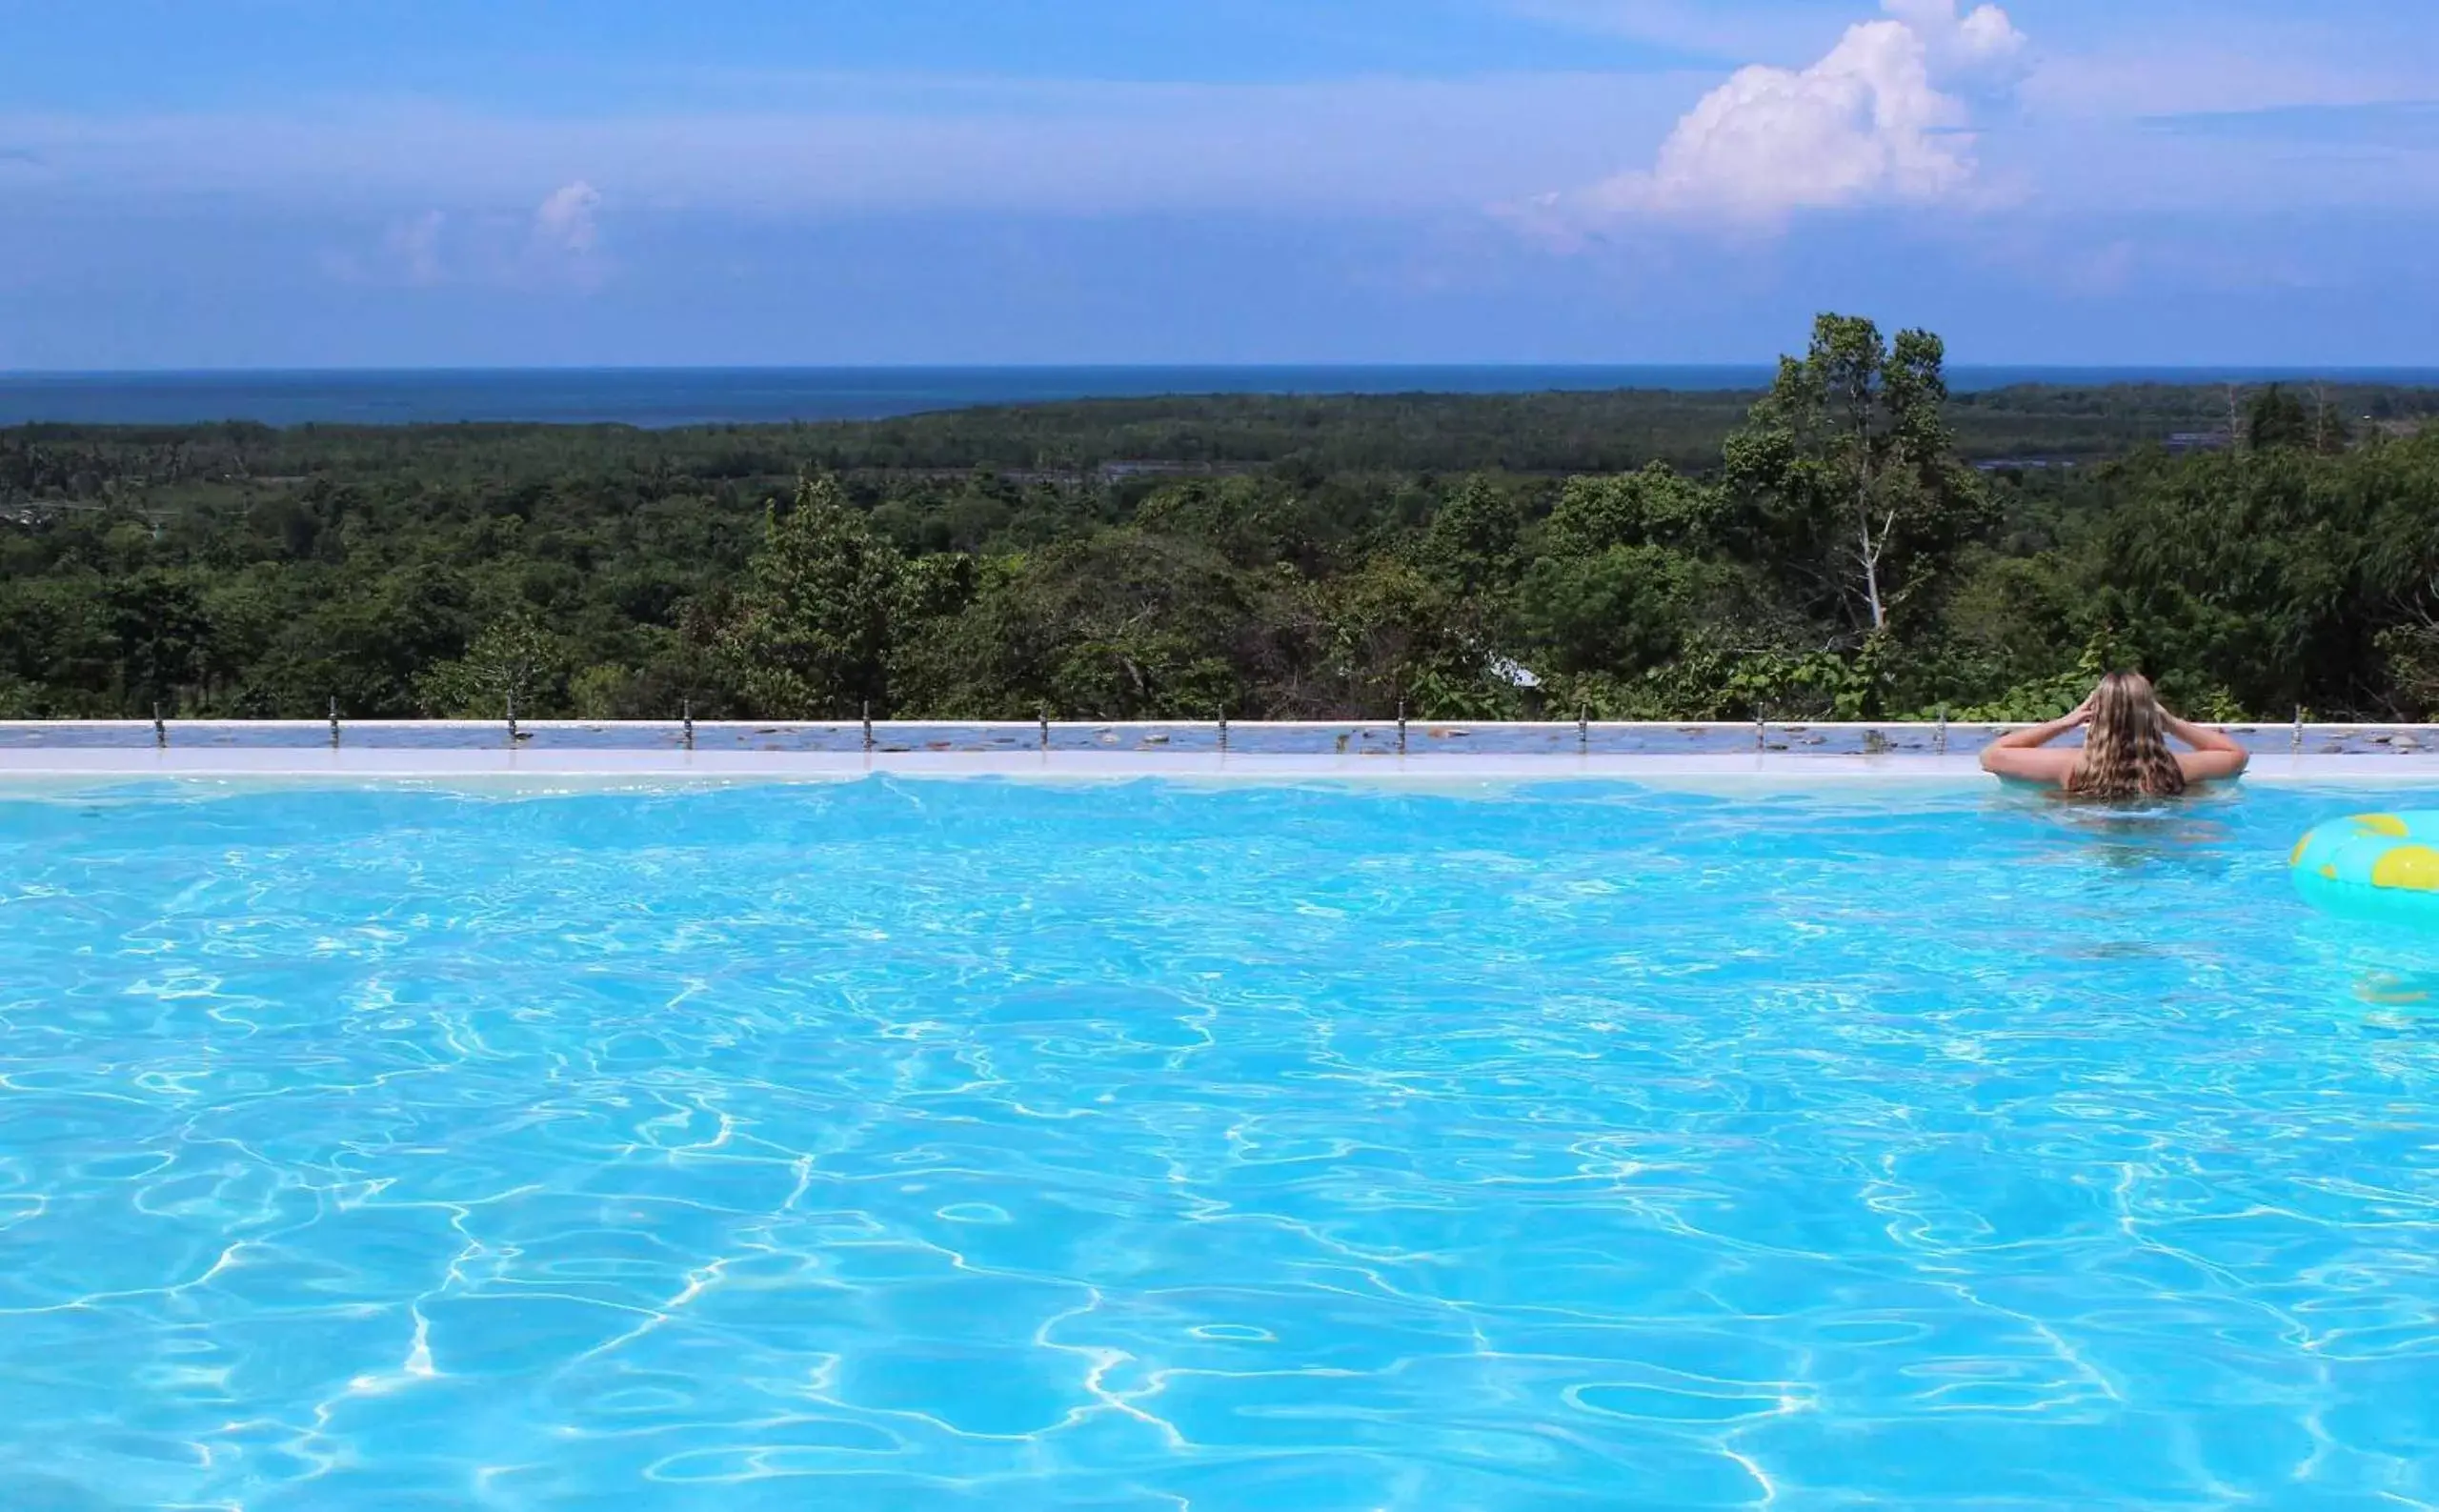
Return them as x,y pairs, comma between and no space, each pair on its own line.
1830,547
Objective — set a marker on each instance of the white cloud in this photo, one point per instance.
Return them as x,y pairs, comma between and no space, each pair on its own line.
1883,119
564,225
1981,44
1336,149
563,242
556,245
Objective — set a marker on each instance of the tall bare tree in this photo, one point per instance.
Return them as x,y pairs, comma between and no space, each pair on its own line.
1850,463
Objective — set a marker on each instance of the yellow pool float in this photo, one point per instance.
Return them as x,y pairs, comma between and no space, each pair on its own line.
2374,866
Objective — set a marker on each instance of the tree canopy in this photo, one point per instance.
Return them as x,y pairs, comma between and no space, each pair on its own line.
1854,541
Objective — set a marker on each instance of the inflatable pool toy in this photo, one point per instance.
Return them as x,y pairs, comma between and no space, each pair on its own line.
2381,867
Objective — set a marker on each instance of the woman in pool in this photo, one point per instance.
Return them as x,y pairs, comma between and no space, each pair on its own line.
2126,751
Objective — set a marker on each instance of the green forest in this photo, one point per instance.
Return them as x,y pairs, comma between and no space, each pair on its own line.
1856,542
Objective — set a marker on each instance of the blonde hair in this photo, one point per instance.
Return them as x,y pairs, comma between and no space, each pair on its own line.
2126,749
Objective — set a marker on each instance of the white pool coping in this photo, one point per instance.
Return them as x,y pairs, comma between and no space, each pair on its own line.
48,767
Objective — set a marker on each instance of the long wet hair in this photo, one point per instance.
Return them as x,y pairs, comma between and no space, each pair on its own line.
2126,747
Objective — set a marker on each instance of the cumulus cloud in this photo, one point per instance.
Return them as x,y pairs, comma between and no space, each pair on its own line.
557,243
565,225
563,243
1885,118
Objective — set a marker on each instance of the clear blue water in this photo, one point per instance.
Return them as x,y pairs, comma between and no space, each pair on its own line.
671,396
904,1145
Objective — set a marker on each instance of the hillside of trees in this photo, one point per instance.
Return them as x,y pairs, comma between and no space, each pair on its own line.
1856,542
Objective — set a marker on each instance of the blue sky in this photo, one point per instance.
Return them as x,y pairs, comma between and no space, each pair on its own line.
247,183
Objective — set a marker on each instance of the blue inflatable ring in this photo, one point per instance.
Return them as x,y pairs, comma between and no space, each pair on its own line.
2383,867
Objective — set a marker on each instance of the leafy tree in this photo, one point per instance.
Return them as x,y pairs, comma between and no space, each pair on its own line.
1390,634
1655,506
367,643
1623,611
1850,463
1122,625
160,633
2276,420
812,626
1472,543
513,667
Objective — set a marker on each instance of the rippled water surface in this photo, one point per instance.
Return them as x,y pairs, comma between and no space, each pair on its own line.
908,1144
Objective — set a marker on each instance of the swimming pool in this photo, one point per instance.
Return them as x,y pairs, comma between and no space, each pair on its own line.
935,1143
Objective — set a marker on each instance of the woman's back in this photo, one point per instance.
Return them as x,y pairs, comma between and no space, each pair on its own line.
2124,751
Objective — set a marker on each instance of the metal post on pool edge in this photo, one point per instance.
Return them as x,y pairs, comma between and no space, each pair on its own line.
1402,727
160,731
511,719
1583,730
1223,730
868,727
335,724
2299,729
685,715
1046,726
1939,741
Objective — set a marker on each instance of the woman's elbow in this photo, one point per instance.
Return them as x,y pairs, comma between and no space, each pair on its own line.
2000,761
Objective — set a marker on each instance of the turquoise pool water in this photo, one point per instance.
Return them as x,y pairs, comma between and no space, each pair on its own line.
907,1145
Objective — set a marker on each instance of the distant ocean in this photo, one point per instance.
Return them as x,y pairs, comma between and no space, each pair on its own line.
675,396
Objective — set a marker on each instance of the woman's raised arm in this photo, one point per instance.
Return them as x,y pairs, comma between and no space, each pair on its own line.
2215,753
2019,753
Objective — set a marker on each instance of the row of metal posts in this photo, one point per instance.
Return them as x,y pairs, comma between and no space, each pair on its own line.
1582,728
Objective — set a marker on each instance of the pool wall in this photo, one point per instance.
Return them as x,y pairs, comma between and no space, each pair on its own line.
1373,750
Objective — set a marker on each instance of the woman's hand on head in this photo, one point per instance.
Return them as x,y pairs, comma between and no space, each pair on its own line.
2083,712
